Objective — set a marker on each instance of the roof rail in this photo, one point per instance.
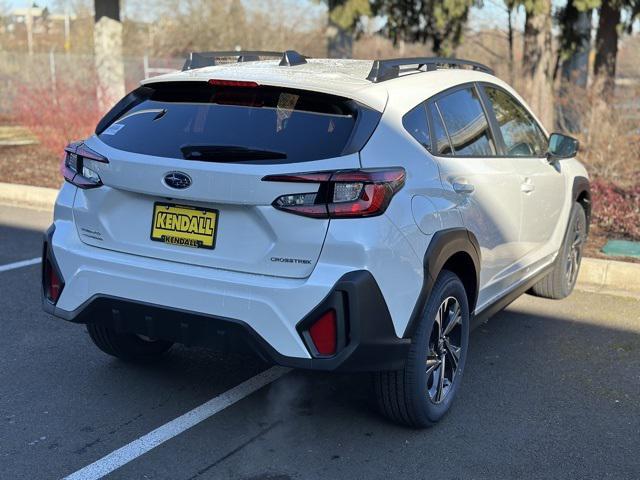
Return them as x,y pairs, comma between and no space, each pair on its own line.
289,58
387,69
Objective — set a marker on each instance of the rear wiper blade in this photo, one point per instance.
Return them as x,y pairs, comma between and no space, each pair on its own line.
228,153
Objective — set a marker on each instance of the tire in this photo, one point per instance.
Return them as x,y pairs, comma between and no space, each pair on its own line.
411,396
127,346
560,281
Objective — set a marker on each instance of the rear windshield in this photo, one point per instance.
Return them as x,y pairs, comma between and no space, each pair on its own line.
200,121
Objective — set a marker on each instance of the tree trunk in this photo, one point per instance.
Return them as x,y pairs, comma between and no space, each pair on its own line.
339,40
437,46
604,68
537,62
512,73
575,69
107,36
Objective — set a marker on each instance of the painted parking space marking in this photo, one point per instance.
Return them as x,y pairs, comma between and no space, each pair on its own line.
151,440
20,264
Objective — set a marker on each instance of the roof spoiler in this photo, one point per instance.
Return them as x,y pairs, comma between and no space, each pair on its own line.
387,69
289,58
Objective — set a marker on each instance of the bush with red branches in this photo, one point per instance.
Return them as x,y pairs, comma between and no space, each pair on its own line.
58,116
616,209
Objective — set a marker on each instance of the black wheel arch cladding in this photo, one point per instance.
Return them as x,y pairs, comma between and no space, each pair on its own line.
453,243
581,193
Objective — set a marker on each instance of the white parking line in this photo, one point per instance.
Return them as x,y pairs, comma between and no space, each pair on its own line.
23,263
151,440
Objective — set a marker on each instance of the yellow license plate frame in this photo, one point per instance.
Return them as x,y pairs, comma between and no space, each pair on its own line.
184,225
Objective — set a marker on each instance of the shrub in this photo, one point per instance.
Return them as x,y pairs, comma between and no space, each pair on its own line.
58,116
616,209
609,132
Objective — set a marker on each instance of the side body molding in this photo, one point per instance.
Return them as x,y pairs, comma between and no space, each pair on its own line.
443,246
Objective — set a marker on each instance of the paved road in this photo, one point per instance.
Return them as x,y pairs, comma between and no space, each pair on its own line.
552,391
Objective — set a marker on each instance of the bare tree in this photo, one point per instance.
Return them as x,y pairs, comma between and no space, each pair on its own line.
108,53
510,7
604,67
615,16
537,60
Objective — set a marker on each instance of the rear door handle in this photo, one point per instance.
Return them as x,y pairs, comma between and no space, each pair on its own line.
463,187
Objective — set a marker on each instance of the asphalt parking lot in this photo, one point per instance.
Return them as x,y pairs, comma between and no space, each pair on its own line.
552,390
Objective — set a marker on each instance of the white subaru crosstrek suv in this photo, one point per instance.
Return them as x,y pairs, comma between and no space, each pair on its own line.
328,214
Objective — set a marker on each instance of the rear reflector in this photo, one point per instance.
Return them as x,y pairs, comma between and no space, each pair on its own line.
324,333
52,282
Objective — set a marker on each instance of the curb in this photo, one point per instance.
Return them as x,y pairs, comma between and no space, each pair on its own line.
38,198
609,276
596,275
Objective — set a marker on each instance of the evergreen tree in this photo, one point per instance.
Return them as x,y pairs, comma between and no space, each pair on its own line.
343,16
439,22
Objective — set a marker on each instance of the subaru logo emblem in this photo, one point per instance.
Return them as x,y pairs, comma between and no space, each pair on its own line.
177,180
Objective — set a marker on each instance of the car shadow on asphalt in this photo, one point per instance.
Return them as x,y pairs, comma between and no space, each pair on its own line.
528,358
18,243
537,388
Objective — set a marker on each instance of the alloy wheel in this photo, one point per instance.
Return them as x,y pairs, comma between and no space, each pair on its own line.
574,256
445,347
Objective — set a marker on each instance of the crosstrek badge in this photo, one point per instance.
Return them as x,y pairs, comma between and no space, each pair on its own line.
184,225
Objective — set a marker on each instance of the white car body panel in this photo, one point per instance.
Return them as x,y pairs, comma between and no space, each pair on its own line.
270,305
493,211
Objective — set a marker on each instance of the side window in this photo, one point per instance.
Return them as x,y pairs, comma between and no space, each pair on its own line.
466,123
522,135
415,122
441,145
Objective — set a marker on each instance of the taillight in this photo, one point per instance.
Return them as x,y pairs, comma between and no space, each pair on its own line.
324,333
232,83
237,92
76,166
341,194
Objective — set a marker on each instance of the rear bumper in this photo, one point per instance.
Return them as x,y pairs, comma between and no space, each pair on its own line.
143,296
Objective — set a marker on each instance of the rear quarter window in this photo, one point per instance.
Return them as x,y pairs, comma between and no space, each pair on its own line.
441,145
198,121
415,122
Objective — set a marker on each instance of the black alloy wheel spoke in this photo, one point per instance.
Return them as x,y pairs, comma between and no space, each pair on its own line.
443,358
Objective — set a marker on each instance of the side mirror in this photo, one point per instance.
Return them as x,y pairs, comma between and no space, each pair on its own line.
562,146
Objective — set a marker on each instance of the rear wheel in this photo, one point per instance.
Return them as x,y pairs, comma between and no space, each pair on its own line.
560,281
127,346
421,393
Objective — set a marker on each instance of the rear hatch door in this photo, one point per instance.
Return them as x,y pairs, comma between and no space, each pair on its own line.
184,177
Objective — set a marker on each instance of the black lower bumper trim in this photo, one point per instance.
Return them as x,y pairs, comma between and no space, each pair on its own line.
367,337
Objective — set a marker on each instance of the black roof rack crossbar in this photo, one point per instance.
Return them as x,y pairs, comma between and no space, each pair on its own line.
289,58
387,69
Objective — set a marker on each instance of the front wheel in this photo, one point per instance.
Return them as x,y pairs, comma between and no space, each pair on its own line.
560,281
421,394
